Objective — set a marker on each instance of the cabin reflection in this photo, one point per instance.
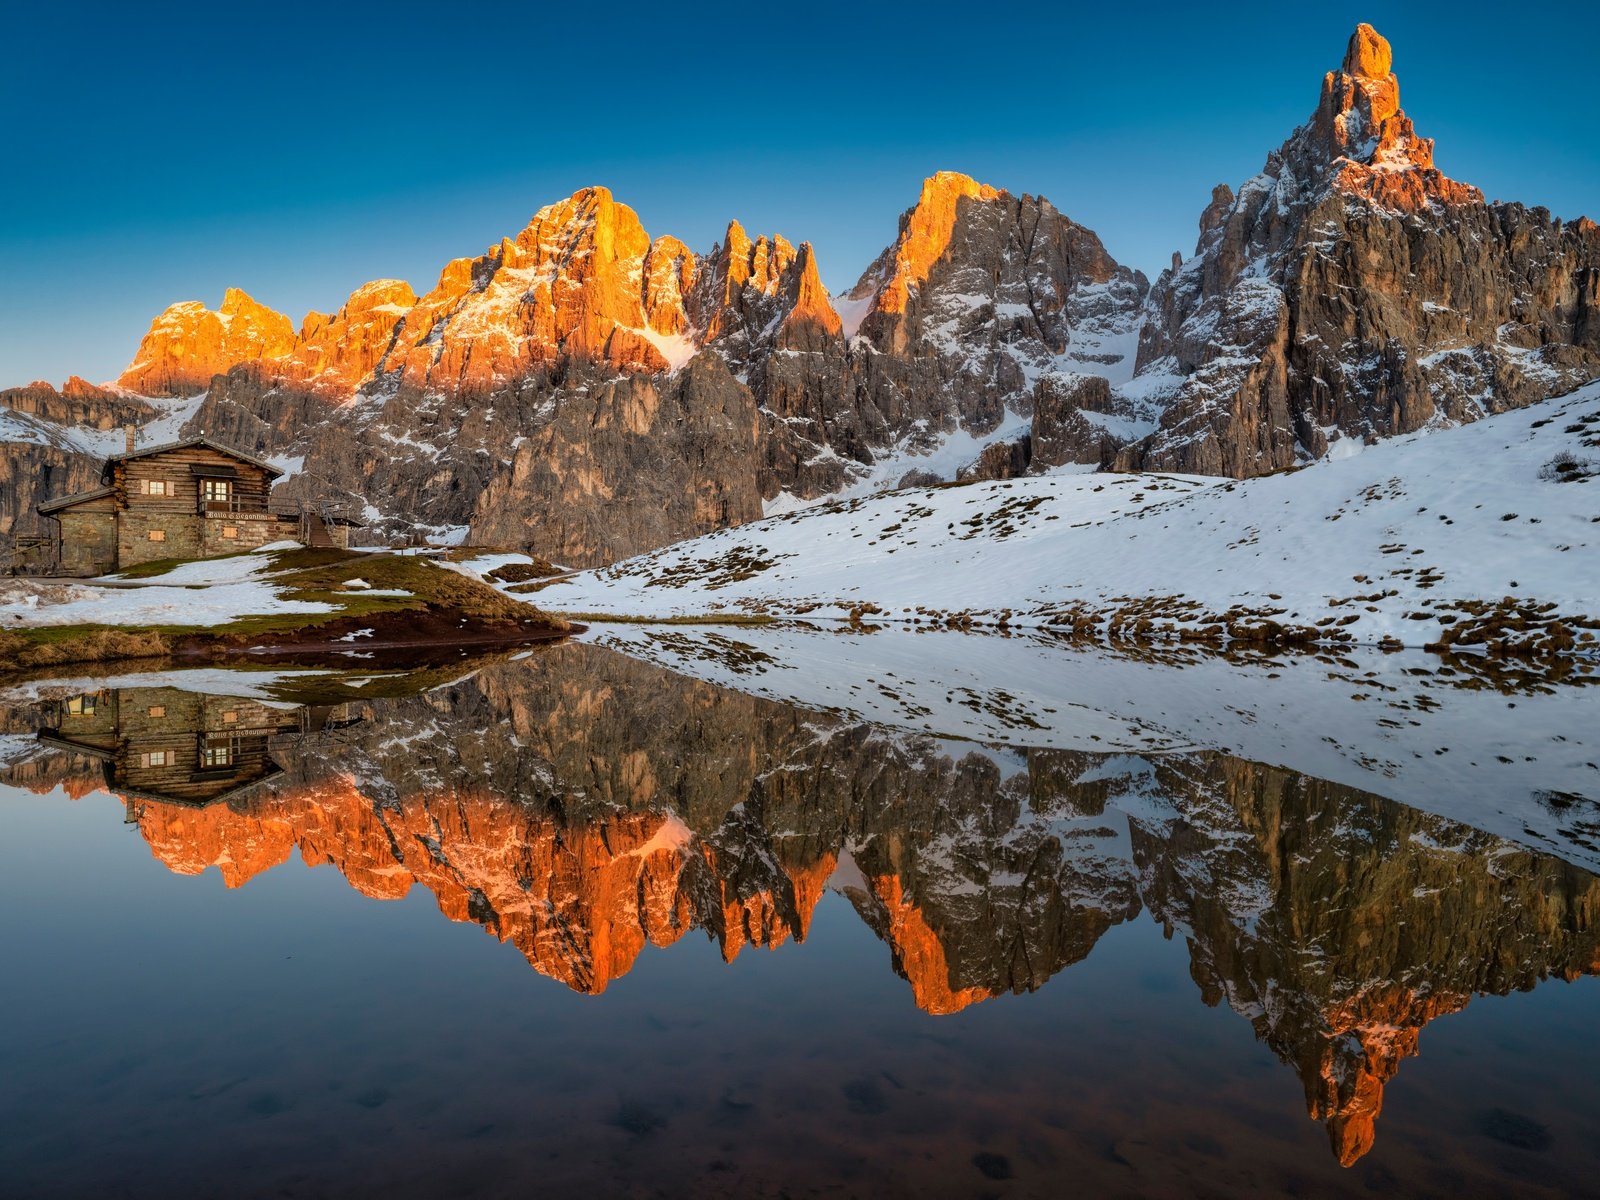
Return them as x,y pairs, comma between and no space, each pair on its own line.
174,746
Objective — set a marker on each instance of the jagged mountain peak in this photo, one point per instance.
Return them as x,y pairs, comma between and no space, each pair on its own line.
188,343
811,317
924,235
1368,54
1352,291
1361,142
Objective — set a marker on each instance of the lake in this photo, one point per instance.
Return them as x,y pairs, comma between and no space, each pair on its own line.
749,912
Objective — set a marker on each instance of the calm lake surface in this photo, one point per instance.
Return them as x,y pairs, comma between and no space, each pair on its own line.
579,924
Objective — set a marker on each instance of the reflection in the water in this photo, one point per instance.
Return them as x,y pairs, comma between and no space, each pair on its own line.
171,746
581,804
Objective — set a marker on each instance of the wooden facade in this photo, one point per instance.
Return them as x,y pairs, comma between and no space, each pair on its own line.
190,499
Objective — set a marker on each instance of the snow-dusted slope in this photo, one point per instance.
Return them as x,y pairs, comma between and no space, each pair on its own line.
1460,535
164,426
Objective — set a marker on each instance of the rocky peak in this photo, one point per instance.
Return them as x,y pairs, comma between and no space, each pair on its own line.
669,273
189,343
582,281
1362,142
925,231
336,354
810,319
758,264
756,294
78,388
1368,54
1352,290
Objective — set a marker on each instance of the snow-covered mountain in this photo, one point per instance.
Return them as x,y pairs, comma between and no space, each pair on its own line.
1351,291
1484,535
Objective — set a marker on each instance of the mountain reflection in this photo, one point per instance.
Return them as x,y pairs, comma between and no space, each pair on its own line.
580,804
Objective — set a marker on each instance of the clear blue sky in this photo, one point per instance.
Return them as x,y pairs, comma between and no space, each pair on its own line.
155,153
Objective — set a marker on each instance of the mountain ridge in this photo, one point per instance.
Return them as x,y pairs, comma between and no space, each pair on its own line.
1349,292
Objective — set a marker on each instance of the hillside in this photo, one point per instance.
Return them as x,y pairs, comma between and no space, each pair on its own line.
1484,534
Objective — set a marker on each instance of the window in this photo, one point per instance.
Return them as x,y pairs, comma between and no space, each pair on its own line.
81,706
217,754
158,535
158,487
156,758
157,710
229,717
230,531
216,489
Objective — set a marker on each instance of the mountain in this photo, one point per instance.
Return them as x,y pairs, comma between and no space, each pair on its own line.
592,391
588,391
1351,291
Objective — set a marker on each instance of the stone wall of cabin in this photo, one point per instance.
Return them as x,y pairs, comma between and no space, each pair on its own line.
88,539
232,535
179,536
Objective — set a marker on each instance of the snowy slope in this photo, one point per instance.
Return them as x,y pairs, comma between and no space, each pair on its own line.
100,443
210,592
1409,539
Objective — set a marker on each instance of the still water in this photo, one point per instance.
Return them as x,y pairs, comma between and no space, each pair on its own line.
575,923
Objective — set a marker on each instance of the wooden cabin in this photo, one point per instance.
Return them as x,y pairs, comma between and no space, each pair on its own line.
189,499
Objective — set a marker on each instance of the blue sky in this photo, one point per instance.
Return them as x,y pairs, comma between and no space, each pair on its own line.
164,152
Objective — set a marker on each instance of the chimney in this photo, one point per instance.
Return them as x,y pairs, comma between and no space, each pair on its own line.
131,434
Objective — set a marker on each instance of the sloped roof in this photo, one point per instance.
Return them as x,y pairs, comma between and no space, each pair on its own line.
50,506
198,441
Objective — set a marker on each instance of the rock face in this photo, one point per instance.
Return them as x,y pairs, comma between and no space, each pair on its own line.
983,301
1352,291
31,473
79,404
43,453
640,460
188,344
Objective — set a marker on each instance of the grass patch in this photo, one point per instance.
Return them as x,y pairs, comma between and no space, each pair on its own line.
56,644
439,597
320,575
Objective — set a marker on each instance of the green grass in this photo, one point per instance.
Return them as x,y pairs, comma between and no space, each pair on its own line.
320,575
